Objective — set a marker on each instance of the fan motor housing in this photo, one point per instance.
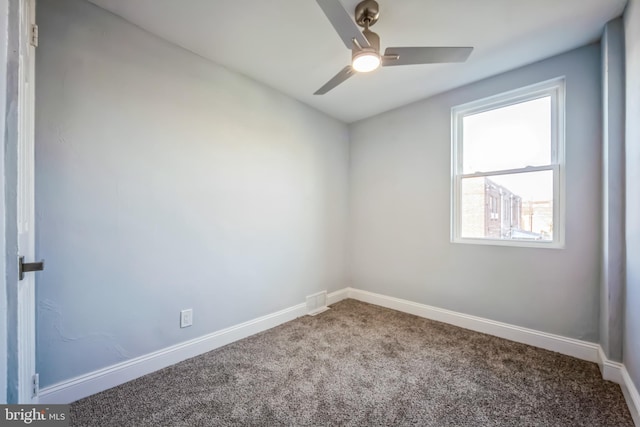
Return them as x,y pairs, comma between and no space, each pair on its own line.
373,39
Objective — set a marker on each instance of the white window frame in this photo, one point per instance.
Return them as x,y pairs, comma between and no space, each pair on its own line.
554,88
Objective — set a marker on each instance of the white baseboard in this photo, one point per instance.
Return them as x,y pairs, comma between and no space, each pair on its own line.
631,395
94,382
617,373
111,376
337,296
611,371
569,346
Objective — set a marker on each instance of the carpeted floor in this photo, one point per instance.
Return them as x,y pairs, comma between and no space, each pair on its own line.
362,365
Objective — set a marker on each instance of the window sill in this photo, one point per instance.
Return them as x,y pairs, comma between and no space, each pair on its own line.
512,243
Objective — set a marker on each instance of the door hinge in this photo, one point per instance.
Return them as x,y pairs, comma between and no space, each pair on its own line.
34,35
35,385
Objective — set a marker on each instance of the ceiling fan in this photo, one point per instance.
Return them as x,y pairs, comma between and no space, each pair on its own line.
365,45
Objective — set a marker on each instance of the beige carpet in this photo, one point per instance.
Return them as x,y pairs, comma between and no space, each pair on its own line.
362,365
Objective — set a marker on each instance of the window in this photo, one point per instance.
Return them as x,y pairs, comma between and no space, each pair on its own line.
507,168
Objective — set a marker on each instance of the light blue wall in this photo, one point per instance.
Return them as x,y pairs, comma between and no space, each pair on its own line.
631,355
4,11
612,280
166,182
400,211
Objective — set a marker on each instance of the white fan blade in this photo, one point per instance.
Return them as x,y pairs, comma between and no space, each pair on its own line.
343,75
342,22
424,55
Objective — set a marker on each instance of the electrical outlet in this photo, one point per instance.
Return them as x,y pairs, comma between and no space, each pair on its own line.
186,318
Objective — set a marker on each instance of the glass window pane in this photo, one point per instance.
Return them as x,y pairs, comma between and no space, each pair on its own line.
508,207
510,137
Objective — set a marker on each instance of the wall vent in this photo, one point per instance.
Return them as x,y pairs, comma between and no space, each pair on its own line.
317,303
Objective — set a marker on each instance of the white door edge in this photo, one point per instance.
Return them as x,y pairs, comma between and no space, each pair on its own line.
26,326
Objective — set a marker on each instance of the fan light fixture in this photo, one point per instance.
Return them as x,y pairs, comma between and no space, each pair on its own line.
365,61
365,44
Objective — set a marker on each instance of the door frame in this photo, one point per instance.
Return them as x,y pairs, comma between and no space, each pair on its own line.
19,118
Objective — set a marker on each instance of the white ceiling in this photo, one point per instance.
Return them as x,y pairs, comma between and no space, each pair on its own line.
291,46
